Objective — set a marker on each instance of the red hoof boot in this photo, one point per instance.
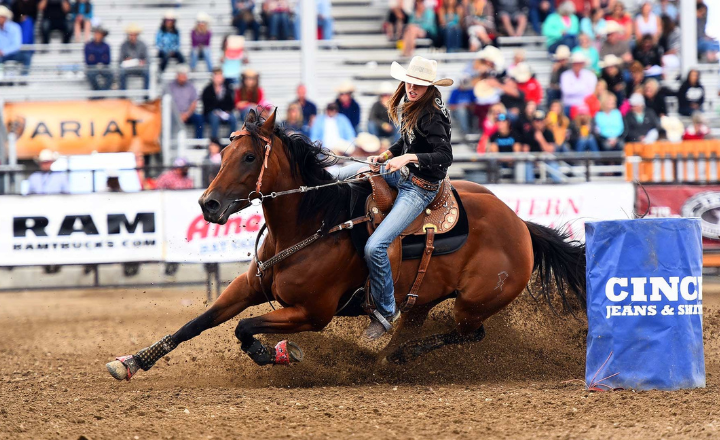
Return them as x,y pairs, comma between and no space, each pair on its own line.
286,352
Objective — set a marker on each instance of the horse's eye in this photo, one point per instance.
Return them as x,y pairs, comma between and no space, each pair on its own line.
250,158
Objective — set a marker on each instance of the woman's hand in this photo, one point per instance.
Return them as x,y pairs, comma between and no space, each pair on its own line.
396,163
376,161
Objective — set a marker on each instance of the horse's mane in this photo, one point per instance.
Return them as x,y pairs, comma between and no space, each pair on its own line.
308,161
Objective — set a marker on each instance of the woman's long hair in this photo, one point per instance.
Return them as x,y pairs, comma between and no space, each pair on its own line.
411,111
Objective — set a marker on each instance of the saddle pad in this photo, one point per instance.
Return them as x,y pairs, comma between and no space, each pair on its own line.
413,245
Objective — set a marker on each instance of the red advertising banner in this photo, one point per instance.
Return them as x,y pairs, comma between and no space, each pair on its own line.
702,201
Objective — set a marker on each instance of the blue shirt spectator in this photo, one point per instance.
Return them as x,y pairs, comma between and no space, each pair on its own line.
10,34
97,52
610,125
332,128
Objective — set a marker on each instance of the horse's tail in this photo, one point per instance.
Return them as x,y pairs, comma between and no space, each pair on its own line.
560,259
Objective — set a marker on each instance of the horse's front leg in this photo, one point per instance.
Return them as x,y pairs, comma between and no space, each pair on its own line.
238,296
292,319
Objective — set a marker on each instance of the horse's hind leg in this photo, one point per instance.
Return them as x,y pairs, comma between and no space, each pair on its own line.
410,324
238,296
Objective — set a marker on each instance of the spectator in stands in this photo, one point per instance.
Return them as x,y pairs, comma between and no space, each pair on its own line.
278,15
637,79
558,123
577,83
665,7
655,97
592,102
670,43
691,94
421,24
46,181
249,95
55,18
560,65
11,39
698,130
523,126
24,10
479,24
561,28
219,103
581,131
134,58
615,45
461,104
649,55
25,13
450,18
234,57
379,123
200,40
641,123
513,16
594,25
647,23
294,120
309,109
541,140
620,16
489,125
512,98
243,12
177,177
347,104
505,139
325,19
587,48
539,10
526,82
613,77
211,164
398,16
609,124
333,129
708,47
97,60
185,98
82,15
167,41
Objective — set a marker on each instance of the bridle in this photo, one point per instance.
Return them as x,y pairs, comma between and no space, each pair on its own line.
268,149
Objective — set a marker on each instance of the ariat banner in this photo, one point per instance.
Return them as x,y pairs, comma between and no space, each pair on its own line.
83,127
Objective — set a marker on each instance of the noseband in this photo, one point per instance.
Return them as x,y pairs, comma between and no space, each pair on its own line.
268,148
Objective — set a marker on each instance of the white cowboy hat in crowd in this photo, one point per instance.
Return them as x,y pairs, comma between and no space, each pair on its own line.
492,54
47,155
5,12
483,90
578,58
610,60
561,53
341,147
674,128
203,17
386,88
421,72
367,142
170,15
521,72
613,27
133,29
345,87
235,42
636,100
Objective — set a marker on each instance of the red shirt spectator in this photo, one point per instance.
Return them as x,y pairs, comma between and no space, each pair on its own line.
526,82
696,131
177,178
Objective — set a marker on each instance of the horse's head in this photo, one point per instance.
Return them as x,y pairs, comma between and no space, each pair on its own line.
243,172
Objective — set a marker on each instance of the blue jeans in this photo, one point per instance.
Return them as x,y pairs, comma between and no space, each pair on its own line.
410,202
165,58
453,38
143,72
537,17
587,144
95,75
242,27
461,113
195,53
568,40
553,171
215,122
22,56
199,122
376,130
280,26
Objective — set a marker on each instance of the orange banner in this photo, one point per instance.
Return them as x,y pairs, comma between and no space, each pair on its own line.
83,127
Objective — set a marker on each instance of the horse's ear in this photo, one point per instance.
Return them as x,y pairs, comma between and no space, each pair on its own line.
251,117
269,126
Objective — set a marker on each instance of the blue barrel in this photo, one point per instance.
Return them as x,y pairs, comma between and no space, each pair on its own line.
644,304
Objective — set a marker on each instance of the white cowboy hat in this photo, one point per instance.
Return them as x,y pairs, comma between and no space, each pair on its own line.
610,60
133,28
203,17
47,155
169,15
561,53
492,54
5,12
235,42
674,128
614,26
521,72
341,147
483,90
421,72
345,87
578,58
367,142
386,88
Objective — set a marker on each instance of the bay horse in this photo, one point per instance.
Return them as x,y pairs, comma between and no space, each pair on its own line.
490,270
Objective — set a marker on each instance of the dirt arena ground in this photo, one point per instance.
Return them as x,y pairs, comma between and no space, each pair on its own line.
53,382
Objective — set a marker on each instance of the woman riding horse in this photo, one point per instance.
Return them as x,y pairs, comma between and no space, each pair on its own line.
416,165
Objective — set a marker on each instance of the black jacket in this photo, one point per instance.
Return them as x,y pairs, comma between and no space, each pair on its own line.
211,101
635,130
430,141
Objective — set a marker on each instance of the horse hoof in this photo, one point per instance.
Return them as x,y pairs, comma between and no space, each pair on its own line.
286,352
117,369
295,352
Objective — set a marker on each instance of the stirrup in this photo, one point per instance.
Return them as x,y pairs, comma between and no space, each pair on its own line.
387,325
